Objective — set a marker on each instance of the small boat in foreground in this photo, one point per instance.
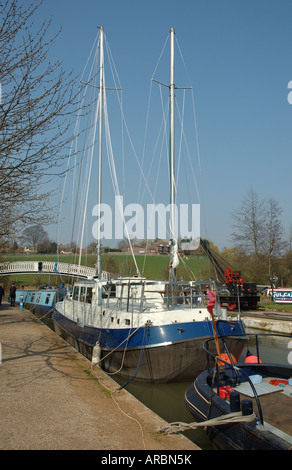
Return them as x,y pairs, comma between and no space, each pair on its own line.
251,400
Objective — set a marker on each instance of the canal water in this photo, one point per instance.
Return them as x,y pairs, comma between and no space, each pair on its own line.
167,400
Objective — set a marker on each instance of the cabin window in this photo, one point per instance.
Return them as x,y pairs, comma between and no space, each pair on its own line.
103,292
76,293
82,294
32,297
109,290
88,295
127,321
38,297
47,299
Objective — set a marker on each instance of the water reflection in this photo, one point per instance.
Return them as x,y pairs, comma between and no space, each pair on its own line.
272,349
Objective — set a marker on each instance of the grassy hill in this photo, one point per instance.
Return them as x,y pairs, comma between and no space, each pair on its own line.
151,267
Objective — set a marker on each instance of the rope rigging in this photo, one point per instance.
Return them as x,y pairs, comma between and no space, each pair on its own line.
86,163
157,151
90,110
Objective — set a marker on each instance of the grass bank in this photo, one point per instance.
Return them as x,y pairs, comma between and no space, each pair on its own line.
269,305
151,267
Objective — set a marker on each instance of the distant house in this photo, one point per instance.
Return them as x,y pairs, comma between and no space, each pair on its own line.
28,249
137,249
64,249
158,248
163,248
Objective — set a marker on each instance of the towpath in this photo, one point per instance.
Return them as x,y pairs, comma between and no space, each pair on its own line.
52,399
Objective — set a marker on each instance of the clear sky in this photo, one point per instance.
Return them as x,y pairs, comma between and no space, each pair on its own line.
239,59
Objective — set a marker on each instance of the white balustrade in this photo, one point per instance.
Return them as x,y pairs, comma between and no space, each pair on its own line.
48,267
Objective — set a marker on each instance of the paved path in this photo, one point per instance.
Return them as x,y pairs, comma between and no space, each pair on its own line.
51,399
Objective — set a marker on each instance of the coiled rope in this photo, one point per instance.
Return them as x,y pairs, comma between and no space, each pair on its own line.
237,417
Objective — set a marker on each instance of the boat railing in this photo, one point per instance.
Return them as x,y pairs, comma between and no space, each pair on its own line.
143,294
221,360
178,294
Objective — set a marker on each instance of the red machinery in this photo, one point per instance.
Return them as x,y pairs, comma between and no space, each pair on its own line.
238,291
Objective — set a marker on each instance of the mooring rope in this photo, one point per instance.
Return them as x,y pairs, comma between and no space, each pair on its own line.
116,391
113,350
139,361
47,313
237,417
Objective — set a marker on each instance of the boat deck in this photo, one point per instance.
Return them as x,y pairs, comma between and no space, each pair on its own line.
275,400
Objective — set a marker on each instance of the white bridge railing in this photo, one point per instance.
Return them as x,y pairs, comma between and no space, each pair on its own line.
48,267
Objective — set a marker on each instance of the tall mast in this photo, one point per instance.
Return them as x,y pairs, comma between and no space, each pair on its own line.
173,242
101,88
171,136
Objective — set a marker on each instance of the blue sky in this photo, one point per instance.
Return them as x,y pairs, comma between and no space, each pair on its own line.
239,59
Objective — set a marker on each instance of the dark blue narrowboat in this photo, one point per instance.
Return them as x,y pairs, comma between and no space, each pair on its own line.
244,405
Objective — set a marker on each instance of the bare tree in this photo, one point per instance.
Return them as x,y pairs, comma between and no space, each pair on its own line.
259,228
289,244
273,243
36,101
249,222
123,244
34,235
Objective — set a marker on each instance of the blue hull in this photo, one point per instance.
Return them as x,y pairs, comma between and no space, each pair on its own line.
168,353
